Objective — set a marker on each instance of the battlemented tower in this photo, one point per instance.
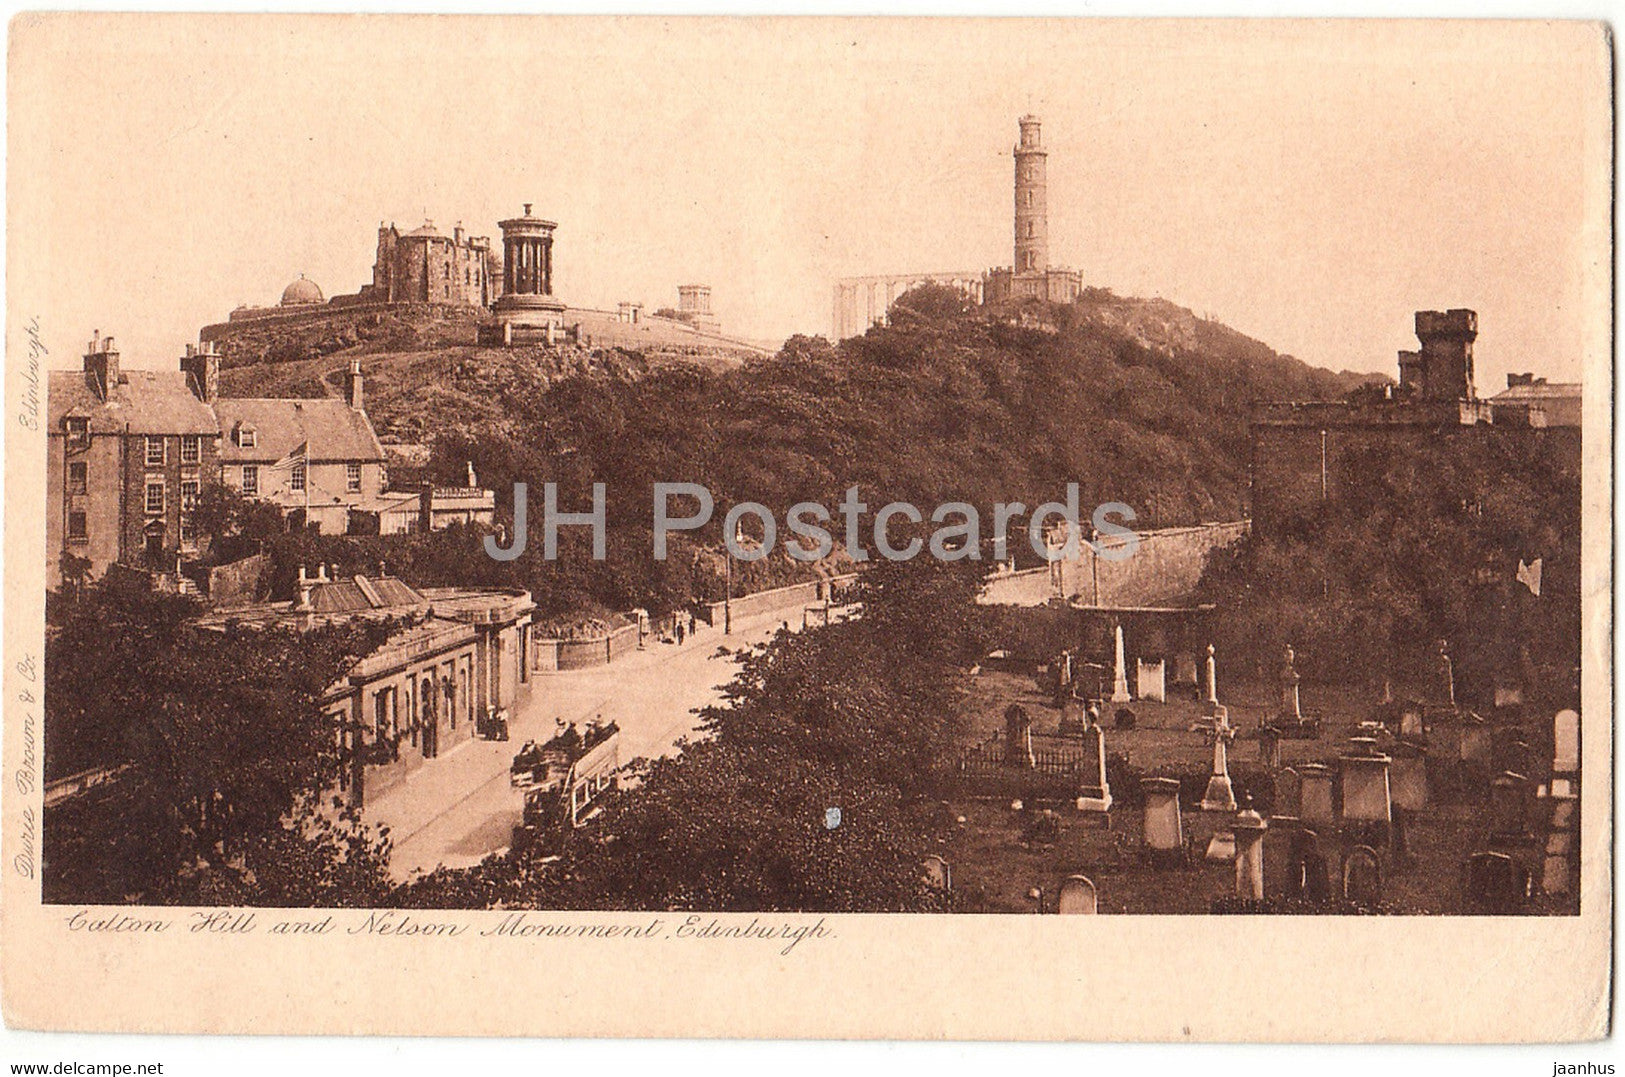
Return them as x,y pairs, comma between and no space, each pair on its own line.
1032,199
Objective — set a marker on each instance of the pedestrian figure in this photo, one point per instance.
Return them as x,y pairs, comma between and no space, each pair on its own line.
679,632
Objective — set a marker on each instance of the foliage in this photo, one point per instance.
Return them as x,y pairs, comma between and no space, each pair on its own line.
1426,550
225,746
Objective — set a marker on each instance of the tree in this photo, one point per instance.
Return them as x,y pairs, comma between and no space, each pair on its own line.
225,749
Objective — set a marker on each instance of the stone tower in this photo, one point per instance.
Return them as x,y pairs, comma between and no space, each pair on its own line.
1032,207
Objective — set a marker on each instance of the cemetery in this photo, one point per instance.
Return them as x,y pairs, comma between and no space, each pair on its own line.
1130,792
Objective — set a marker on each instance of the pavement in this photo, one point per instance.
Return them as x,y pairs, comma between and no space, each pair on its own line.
459,808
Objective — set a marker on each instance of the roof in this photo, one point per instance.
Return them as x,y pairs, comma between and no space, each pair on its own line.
1538,392
301,292
330,427
392,501
426,231
360,595
144,402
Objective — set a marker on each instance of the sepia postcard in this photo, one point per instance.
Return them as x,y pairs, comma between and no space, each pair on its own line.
1072,529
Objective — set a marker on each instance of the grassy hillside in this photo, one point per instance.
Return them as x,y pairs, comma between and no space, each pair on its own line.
1138,400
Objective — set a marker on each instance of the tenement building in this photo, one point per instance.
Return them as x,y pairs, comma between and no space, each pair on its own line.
128,452
1308,453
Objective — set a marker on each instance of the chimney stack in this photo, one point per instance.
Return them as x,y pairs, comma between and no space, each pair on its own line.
353,393
101,363
304,589
202,367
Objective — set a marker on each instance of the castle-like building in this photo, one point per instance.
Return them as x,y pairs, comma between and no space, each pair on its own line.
864,301
1307,453
427,266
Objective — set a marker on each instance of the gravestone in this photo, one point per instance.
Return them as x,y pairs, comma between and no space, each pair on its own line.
1516,756
1511,797
1150,681
1164,830
1077,897
1308,875
1508,695
1408,778
1410,722
1444,685
1222,847
1566,743
1475,740
1290,712
1315,806
1249,829
1185,669
1119,668
937,874
1094,794
1363,744
1212,685
1279,877
1362,877
1220,795
1288,793
1494,883
1018,737
1562,845
1366,797
1565,812
1269,746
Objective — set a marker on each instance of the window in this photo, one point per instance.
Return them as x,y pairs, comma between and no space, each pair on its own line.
352,478
251,480
78,476
155,452
155,498
78,432
188,495
296,478
246,437
191,449
76,528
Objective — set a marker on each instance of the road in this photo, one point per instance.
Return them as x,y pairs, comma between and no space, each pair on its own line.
459,808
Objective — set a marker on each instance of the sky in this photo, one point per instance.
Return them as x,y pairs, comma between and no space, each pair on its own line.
1309,184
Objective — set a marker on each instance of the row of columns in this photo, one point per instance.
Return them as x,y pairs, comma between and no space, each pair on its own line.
863,302
527,267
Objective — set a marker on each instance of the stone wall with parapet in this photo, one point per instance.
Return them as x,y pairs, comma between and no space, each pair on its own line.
307,333
1165,567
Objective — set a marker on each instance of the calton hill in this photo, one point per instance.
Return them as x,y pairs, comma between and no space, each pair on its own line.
225,787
